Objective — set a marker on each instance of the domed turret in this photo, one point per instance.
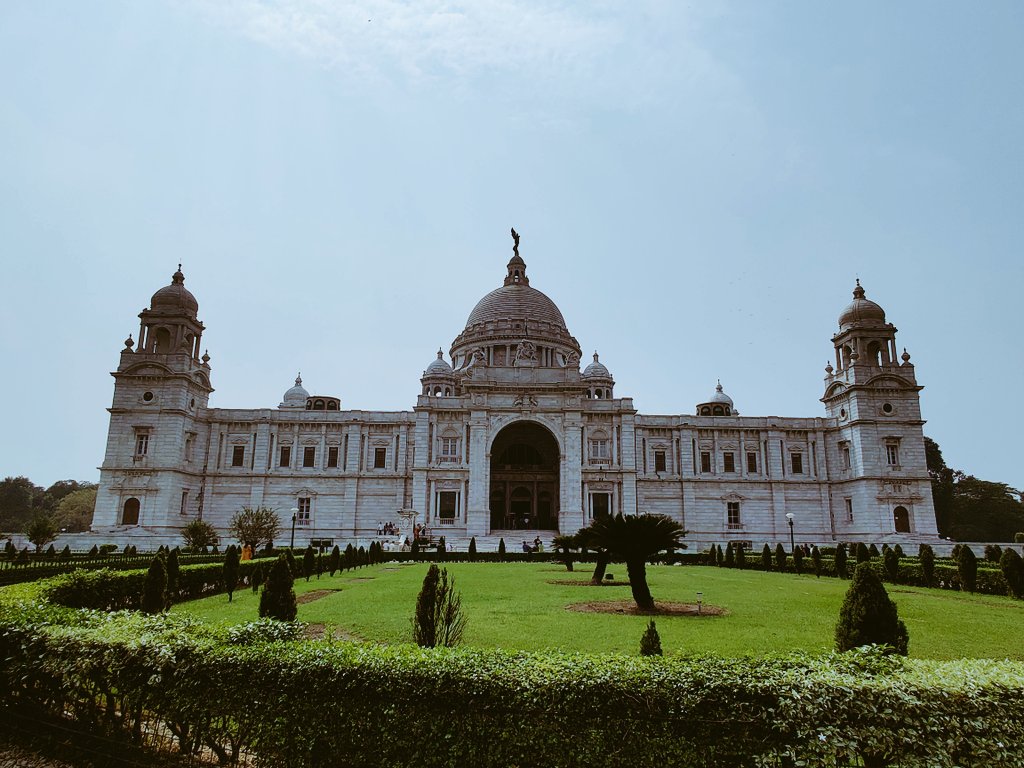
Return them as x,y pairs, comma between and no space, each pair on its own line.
599,380
719,404
175,297
438,379
295,398
864,337
169,325
861,311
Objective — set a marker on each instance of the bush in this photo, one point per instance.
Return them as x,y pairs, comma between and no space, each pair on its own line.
891,563
816,561
741,557
926,555
232,561
65,554
1018,537
173,571
277,600
650,641
780,558
840,560
730,556
766,558
439,620
993,552
863,553
265,631
334,561
1013,571
501,546
154,591
472,548
868,616
873,551
308,562
798,559
257,578
899,551
967,568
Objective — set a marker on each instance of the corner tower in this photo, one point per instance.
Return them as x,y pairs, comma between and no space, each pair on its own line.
156,443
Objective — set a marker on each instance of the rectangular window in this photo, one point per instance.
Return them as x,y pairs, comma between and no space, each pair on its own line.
751,462
184,503
734,515
302,517
286,456
797,461
892,454
599,450
449,448
849,510
309,456
659,461
238,456
705,461
332,457
142,443
728,462
380,458
600,505
189,441
846,457
447,502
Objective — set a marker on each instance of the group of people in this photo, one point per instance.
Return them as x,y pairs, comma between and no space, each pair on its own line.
538,546
387,529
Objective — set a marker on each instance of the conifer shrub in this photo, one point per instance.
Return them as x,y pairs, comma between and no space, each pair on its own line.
926,556
65,554
891,564
868,615
501,546
416,549
730,556
1013,571
23,557
863,553
173,573
816,561
650,641
350,556
798,559
293,566
967,568
780,558
439,620
741,558
95,551
766,557
841,560
472,548
873,552
899,551
257,578
362,558
992,552
277,601
154,589
232,562
51,552
308,561
334,561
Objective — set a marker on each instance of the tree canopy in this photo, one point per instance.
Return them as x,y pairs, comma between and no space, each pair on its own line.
255,526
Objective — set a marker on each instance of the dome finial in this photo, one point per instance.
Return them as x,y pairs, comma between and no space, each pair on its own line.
298,379
718,387
516,265
440,354
596,360
858,292
515,238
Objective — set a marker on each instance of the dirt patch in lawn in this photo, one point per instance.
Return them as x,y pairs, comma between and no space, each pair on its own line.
319,632
628,608
315,594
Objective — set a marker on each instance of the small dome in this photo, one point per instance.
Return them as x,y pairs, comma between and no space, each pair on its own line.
596,370
175,297
720,396
438,367
296,396
861,311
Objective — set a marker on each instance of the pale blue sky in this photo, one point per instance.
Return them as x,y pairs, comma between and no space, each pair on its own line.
696,185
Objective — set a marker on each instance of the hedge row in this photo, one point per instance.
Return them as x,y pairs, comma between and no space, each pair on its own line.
11,573
324,704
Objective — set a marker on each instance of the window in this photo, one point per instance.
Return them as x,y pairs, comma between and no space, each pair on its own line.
130,512
286,456
705,461
447,502
309,456
849,510
600,505
659,461
302,517
332,456
184,503
892,454
797,461
189,442
141,443
599,450
380,458
449,448
846,457
728,462
751,461
238,456
733,508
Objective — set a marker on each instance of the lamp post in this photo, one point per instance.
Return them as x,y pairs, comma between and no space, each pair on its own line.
792,541
295,516
700,599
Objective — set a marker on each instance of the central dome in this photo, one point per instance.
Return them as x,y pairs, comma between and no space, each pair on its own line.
516,302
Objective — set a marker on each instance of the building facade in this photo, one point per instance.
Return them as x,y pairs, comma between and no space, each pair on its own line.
512,439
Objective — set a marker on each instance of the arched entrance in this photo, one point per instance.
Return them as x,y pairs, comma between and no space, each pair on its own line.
901,520
524,478
130,513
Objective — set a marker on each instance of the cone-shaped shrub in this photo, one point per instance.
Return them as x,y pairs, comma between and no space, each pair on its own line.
334,561
349,561
472,548
798,559
231,566
501,546
65,554
94,551
1013,571
308,562
155,587
780,558
863,554
293,566
899,551
992,552
650,641
967,568
719,556
766,558
841,560
277,601
416,548
816,560
173,569
891,563
730,556
868,615
439,620
927,557
741,558
873,551
257,578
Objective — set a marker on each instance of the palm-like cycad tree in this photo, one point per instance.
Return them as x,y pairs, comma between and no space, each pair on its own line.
635,538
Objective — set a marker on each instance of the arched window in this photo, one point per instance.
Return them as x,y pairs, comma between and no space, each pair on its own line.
875,353
901,520
705,411
162,341
437,391
130,513
332,405
319,405
719,411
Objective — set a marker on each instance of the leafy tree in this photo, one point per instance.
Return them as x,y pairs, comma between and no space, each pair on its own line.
255,526
334,561
967,568
927,557
868,615
780,558
173,571
501,546
74,511
439,620
154,589
891,563
277,601
741,558
40,531
635,538
650,641
798,559
730,556
308,562
565,544
198,534
816,560
1013,571
19,500
766,558
585,540
232,561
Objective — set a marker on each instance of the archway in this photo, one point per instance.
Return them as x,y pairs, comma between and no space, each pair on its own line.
524,478
130,514
901,520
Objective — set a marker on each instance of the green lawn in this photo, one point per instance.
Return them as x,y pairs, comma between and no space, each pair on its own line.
513,606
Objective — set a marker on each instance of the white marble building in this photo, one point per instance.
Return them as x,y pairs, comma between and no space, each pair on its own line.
512,439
